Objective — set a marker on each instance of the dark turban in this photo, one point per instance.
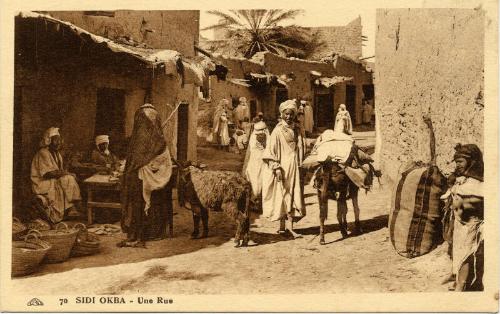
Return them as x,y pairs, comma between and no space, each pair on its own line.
474,156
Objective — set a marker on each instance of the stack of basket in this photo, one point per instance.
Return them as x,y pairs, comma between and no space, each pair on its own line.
62,240
19,230
86,243
28,254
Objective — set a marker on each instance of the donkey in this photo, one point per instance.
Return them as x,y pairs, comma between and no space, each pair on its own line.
215,190
334,184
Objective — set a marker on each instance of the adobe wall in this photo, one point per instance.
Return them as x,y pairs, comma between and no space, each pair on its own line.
428,60
345,40
173,29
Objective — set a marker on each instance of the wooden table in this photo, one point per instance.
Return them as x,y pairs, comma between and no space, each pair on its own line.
99,182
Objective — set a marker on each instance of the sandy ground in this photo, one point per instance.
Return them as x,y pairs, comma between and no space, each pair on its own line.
364,263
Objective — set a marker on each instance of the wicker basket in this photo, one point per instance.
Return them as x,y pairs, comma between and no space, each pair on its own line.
62,241
28,254
86,244
18,229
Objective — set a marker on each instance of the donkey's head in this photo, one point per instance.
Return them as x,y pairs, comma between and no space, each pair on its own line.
184,176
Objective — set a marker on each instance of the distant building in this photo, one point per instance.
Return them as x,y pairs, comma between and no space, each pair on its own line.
344,40
267,79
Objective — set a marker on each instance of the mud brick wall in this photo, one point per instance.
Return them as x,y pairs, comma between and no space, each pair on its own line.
175,30
427,60
345,40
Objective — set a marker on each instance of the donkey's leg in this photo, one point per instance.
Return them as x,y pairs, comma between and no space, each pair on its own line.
341,214
196,225
245,231
246,221
353,190
204,221
323,214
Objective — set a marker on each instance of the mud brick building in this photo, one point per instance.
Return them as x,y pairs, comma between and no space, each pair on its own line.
88,78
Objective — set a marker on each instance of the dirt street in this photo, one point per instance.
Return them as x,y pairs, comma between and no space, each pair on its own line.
364,263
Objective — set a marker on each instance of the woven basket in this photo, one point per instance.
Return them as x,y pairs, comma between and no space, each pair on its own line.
18,229
86,244
62,241
28,254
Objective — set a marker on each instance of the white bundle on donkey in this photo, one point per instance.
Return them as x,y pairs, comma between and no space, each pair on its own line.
341,168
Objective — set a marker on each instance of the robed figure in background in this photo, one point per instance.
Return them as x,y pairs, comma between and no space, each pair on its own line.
147,171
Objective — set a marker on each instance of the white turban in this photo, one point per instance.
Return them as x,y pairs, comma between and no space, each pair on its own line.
100,139
261,125
243,99
288,104
48,134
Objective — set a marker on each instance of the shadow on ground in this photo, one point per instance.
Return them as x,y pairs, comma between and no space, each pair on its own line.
369,225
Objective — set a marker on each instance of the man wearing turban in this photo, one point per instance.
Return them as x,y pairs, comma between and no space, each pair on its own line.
465,213
102,157
49,178
282,192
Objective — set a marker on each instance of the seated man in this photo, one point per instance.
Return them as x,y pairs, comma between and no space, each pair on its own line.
50,179
102,157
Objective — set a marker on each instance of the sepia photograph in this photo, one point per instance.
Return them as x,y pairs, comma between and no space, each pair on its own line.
306,157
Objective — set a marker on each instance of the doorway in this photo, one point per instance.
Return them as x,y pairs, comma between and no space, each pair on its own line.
110,115
182,131
323,109
350,101
281,96
253,108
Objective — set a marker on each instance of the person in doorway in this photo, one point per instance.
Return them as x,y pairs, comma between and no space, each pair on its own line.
147,171
282,192
308,117
465,200
102,157
221,131
50,180
241,112
300,121
367,112
343,122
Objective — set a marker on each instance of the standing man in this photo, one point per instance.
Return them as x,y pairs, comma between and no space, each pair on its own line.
50,180
241,112
282,192
466,202
308,116
147,172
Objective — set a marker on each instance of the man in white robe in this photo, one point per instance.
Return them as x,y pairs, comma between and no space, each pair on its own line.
343,122
50,179
241,112
282,192
308,116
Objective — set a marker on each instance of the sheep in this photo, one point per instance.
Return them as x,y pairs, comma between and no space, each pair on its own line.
215,190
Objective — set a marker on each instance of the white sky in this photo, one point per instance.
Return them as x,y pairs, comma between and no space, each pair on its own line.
331,15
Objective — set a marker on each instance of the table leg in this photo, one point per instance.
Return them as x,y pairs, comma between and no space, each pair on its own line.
89,208
170,213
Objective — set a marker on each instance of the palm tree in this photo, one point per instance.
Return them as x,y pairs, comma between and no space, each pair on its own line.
252,31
